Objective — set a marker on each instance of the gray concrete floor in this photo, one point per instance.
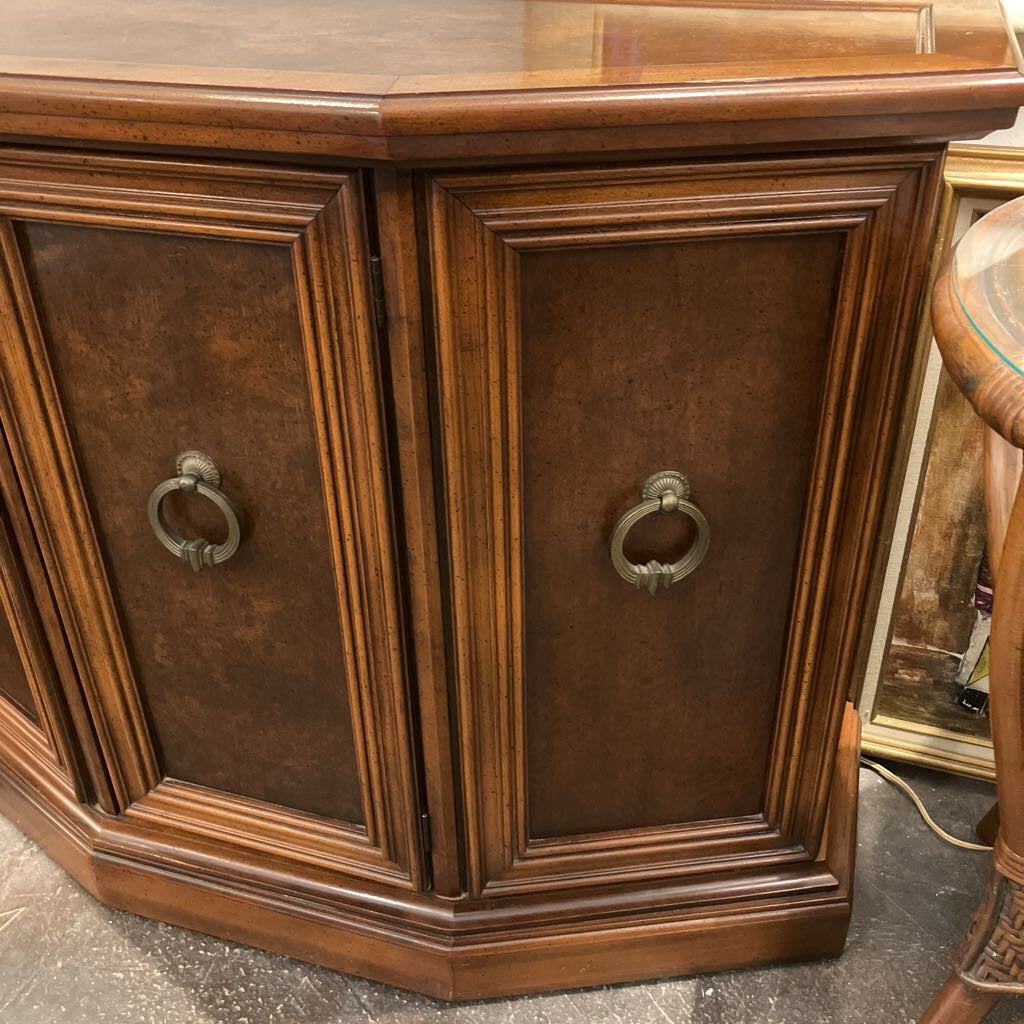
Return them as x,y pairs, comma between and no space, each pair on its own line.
65,958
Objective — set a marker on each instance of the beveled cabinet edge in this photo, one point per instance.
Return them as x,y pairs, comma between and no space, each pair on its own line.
495,214
318,216
435,119
38,638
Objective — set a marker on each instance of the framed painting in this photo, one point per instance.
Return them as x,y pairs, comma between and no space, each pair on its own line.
923,697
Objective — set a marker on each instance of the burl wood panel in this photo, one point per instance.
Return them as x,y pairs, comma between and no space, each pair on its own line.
159,344
13,683
707,357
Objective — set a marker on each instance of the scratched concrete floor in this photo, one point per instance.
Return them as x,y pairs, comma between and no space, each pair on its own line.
65,958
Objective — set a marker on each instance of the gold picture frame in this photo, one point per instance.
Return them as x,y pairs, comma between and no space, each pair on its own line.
976,179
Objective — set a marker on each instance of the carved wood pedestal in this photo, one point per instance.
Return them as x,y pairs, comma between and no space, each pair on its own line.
979,327
444,452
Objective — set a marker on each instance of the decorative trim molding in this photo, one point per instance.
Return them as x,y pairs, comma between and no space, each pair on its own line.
448,118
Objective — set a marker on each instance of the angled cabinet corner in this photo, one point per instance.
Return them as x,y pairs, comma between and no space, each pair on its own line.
44,726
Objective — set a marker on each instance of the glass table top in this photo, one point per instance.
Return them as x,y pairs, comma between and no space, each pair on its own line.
987,277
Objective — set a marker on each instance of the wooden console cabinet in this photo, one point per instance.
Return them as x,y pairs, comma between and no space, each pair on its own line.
351,361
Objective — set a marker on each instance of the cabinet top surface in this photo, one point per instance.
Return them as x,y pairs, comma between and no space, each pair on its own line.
436,67
464,45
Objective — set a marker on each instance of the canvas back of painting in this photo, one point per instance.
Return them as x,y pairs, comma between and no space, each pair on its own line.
935,616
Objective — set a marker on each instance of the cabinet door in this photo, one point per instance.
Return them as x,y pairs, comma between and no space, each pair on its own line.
745,325
154,308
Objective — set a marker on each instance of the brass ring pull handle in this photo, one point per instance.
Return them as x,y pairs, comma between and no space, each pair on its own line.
664,492
197,473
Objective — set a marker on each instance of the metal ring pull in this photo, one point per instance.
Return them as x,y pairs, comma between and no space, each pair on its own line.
197,473
663,492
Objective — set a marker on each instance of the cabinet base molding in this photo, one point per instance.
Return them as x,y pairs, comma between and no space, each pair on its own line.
449,949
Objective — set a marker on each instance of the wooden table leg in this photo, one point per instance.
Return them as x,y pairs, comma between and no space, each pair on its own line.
956,1003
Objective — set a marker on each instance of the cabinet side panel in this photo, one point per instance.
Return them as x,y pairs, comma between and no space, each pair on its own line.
707,357
160,344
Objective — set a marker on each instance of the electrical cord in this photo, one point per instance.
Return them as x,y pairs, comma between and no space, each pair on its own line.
919,804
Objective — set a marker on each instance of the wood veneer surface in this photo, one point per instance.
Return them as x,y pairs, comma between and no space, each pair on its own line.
659,710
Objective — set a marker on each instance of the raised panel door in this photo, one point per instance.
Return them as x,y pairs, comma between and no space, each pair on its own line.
733,322
157,308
